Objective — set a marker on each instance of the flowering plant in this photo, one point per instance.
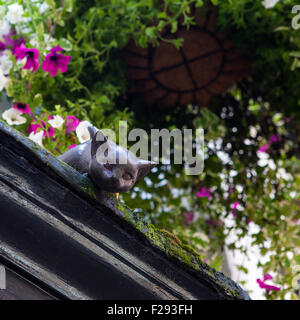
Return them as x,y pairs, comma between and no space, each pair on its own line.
60,68
56,131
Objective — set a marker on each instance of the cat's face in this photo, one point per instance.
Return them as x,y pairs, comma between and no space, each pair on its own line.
113,168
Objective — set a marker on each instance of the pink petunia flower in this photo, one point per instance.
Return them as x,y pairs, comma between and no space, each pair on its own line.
11,43
71,124
214,222
273,138
50,132
22,107
189,217
235,204
55,61
234,207
204,192
34,127
266,286
264,148
72,146
297,221
31,56
2,47
267,276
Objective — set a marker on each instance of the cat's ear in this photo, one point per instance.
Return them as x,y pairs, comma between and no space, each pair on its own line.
144,167
98,138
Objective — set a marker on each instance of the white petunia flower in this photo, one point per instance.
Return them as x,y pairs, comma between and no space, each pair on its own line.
48,41
269,3
4,28
5,63
13,117
37,138
82,131
57,122
43,8
4,81
23,29
15,13
283,174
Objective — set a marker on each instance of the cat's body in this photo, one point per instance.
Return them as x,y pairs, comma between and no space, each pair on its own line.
78,157
113,169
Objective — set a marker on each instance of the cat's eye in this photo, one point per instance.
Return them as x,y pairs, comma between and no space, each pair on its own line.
127,176
108,166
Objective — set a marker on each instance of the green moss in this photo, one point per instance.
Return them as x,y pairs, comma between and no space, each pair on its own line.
172,246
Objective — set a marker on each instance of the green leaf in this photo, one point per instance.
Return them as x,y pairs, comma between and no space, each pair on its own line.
295,54
217,262
242,268
65,44
174,26
50,3
296,241
199,3
297,258
40,31
254,106
150,32
37,100
277,118
68,5
282,28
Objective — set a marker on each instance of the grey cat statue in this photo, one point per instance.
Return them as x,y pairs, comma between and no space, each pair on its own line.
111,176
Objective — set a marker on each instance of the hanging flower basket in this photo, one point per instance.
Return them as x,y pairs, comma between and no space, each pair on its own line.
206,65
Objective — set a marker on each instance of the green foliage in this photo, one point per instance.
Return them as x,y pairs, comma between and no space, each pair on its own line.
266,105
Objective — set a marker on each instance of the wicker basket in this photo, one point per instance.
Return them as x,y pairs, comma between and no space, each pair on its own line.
206,65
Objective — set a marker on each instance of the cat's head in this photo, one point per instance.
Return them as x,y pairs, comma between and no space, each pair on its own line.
112,167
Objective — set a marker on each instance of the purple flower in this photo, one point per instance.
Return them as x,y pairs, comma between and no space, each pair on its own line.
267,276
22,107
264,148
273,138
214,222
34,127
12,43
268,287
72,146
234,206
50,132
189,217
31,54
71,124
204,192
56,61
2,47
